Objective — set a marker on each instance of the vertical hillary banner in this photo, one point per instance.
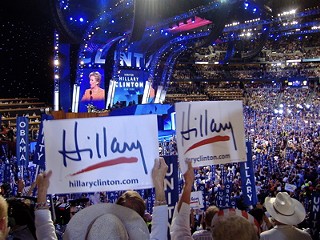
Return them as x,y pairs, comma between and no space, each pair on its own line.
209,133
113,154
171,183
314,217
247,178
22,146
39,154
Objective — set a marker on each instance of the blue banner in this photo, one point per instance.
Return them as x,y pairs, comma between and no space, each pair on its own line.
39,154
223,174
220,199
247,179
7,173
171,183
202,187
213,173
314,218
150,200
229,202
22,145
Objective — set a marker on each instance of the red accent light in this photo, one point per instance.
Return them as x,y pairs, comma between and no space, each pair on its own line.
190,24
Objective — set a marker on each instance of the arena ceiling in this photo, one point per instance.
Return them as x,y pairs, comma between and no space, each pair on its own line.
74,18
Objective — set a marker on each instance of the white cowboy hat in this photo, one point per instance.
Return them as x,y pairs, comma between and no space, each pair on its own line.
285,209
106,221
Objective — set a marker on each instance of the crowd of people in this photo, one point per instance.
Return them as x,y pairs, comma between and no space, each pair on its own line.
282,126
271,63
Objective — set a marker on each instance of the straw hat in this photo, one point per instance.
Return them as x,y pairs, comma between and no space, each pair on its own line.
285,209
106,221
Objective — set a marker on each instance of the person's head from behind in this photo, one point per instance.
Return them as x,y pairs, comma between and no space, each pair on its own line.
258,214
233,227
133,200
95,79
284,209
20,214
209,214
3,218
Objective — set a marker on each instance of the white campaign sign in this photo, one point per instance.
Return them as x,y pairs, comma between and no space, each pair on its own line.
196,200
210,133
290,187
101,154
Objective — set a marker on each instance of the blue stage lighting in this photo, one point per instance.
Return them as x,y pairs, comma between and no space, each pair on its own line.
81,19
71,18
112,21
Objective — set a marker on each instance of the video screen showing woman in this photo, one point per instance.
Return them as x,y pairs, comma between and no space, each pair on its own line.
95,92
91,92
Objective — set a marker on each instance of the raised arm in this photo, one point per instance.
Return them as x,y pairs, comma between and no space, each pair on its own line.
44,225
159,228
187,187
180,226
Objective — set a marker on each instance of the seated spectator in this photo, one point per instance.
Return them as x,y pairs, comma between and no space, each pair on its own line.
286,212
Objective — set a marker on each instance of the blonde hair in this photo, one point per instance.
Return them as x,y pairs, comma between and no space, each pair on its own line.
3,216
233,227
133,200
96,75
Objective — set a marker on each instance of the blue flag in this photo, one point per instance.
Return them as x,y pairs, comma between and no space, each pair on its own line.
22,146
171,183
314,217
247,179
39,154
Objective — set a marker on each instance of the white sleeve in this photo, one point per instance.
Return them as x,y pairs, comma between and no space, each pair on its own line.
45,229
